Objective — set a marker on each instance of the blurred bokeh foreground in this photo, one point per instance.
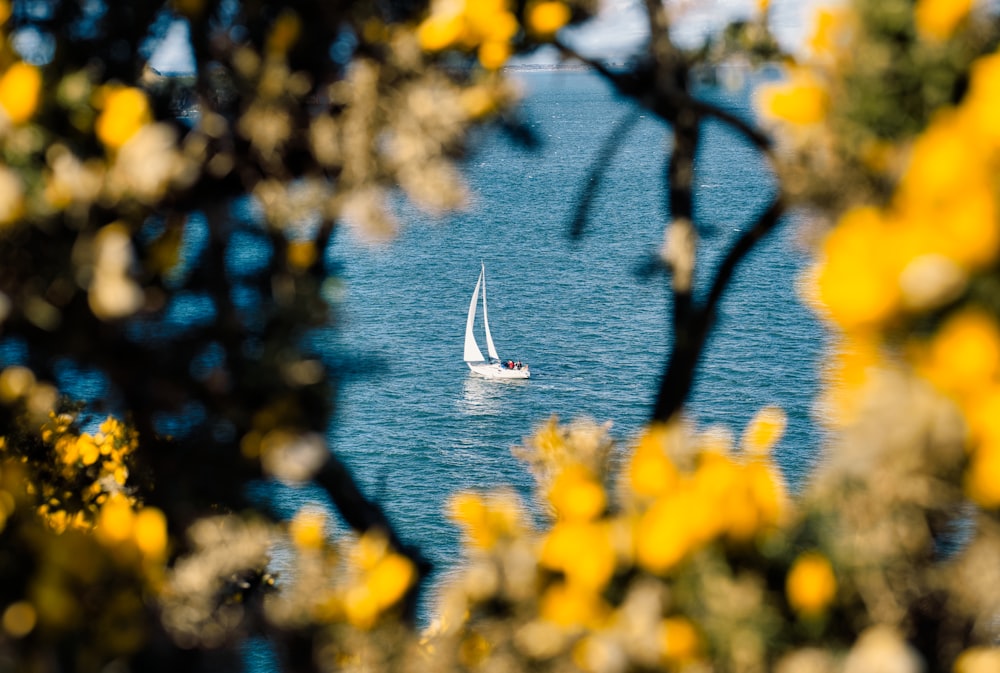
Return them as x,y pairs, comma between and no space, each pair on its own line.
127,538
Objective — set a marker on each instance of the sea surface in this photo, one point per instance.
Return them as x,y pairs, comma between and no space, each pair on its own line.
413,424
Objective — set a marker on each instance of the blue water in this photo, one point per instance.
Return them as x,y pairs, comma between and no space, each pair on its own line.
415,427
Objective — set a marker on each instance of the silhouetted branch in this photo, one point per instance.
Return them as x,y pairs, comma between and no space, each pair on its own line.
598,169
364,515
634,84
691,336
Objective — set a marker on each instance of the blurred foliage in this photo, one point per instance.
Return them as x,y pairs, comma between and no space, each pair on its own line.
127,538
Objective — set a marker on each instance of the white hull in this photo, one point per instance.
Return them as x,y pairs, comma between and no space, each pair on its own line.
497,371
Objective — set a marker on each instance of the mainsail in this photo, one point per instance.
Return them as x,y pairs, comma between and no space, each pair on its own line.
472,352
486,323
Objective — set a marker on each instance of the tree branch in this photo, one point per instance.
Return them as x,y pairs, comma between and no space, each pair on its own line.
691,337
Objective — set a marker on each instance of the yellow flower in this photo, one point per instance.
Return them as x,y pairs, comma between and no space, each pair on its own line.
359,607
19,619
116,520
679,640
19,90
486,522
493,54
978,660
389,579
473,650
490,21
810,585
301,254
854,284
764,430
582,551
982,478
126,110
667,531
150,532
88,449
284,33
545,18
576,495
307,528
982,413
15,383
829,31
650,472
439,32
964,355
801,100
382,584
937,19
571,605
979,106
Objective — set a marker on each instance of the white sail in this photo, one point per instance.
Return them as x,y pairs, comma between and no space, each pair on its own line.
486,323
472,352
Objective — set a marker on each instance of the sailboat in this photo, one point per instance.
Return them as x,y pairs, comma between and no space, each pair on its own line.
494,368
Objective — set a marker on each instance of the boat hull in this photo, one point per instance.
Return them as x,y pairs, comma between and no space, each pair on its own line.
497,371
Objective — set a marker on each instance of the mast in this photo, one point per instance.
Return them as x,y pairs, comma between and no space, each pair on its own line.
486,323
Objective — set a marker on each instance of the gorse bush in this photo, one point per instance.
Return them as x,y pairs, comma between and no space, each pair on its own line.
127,538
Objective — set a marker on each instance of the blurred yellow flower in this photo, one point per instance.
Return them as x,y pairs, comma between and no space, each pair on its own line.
982,99
582,551
15,382
490,21
964,355
150,532
360,607
11,196
982,413
577,495
301,254
116,520
801,100
982,477
937,19
389,579
486,25
650,471
486,521
88,449
126,110
764,430
19,619
439,32
666,533
284,33
547,17
571,606
20,86
979,660
307,528
493,54
679,640
853,283
810,585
